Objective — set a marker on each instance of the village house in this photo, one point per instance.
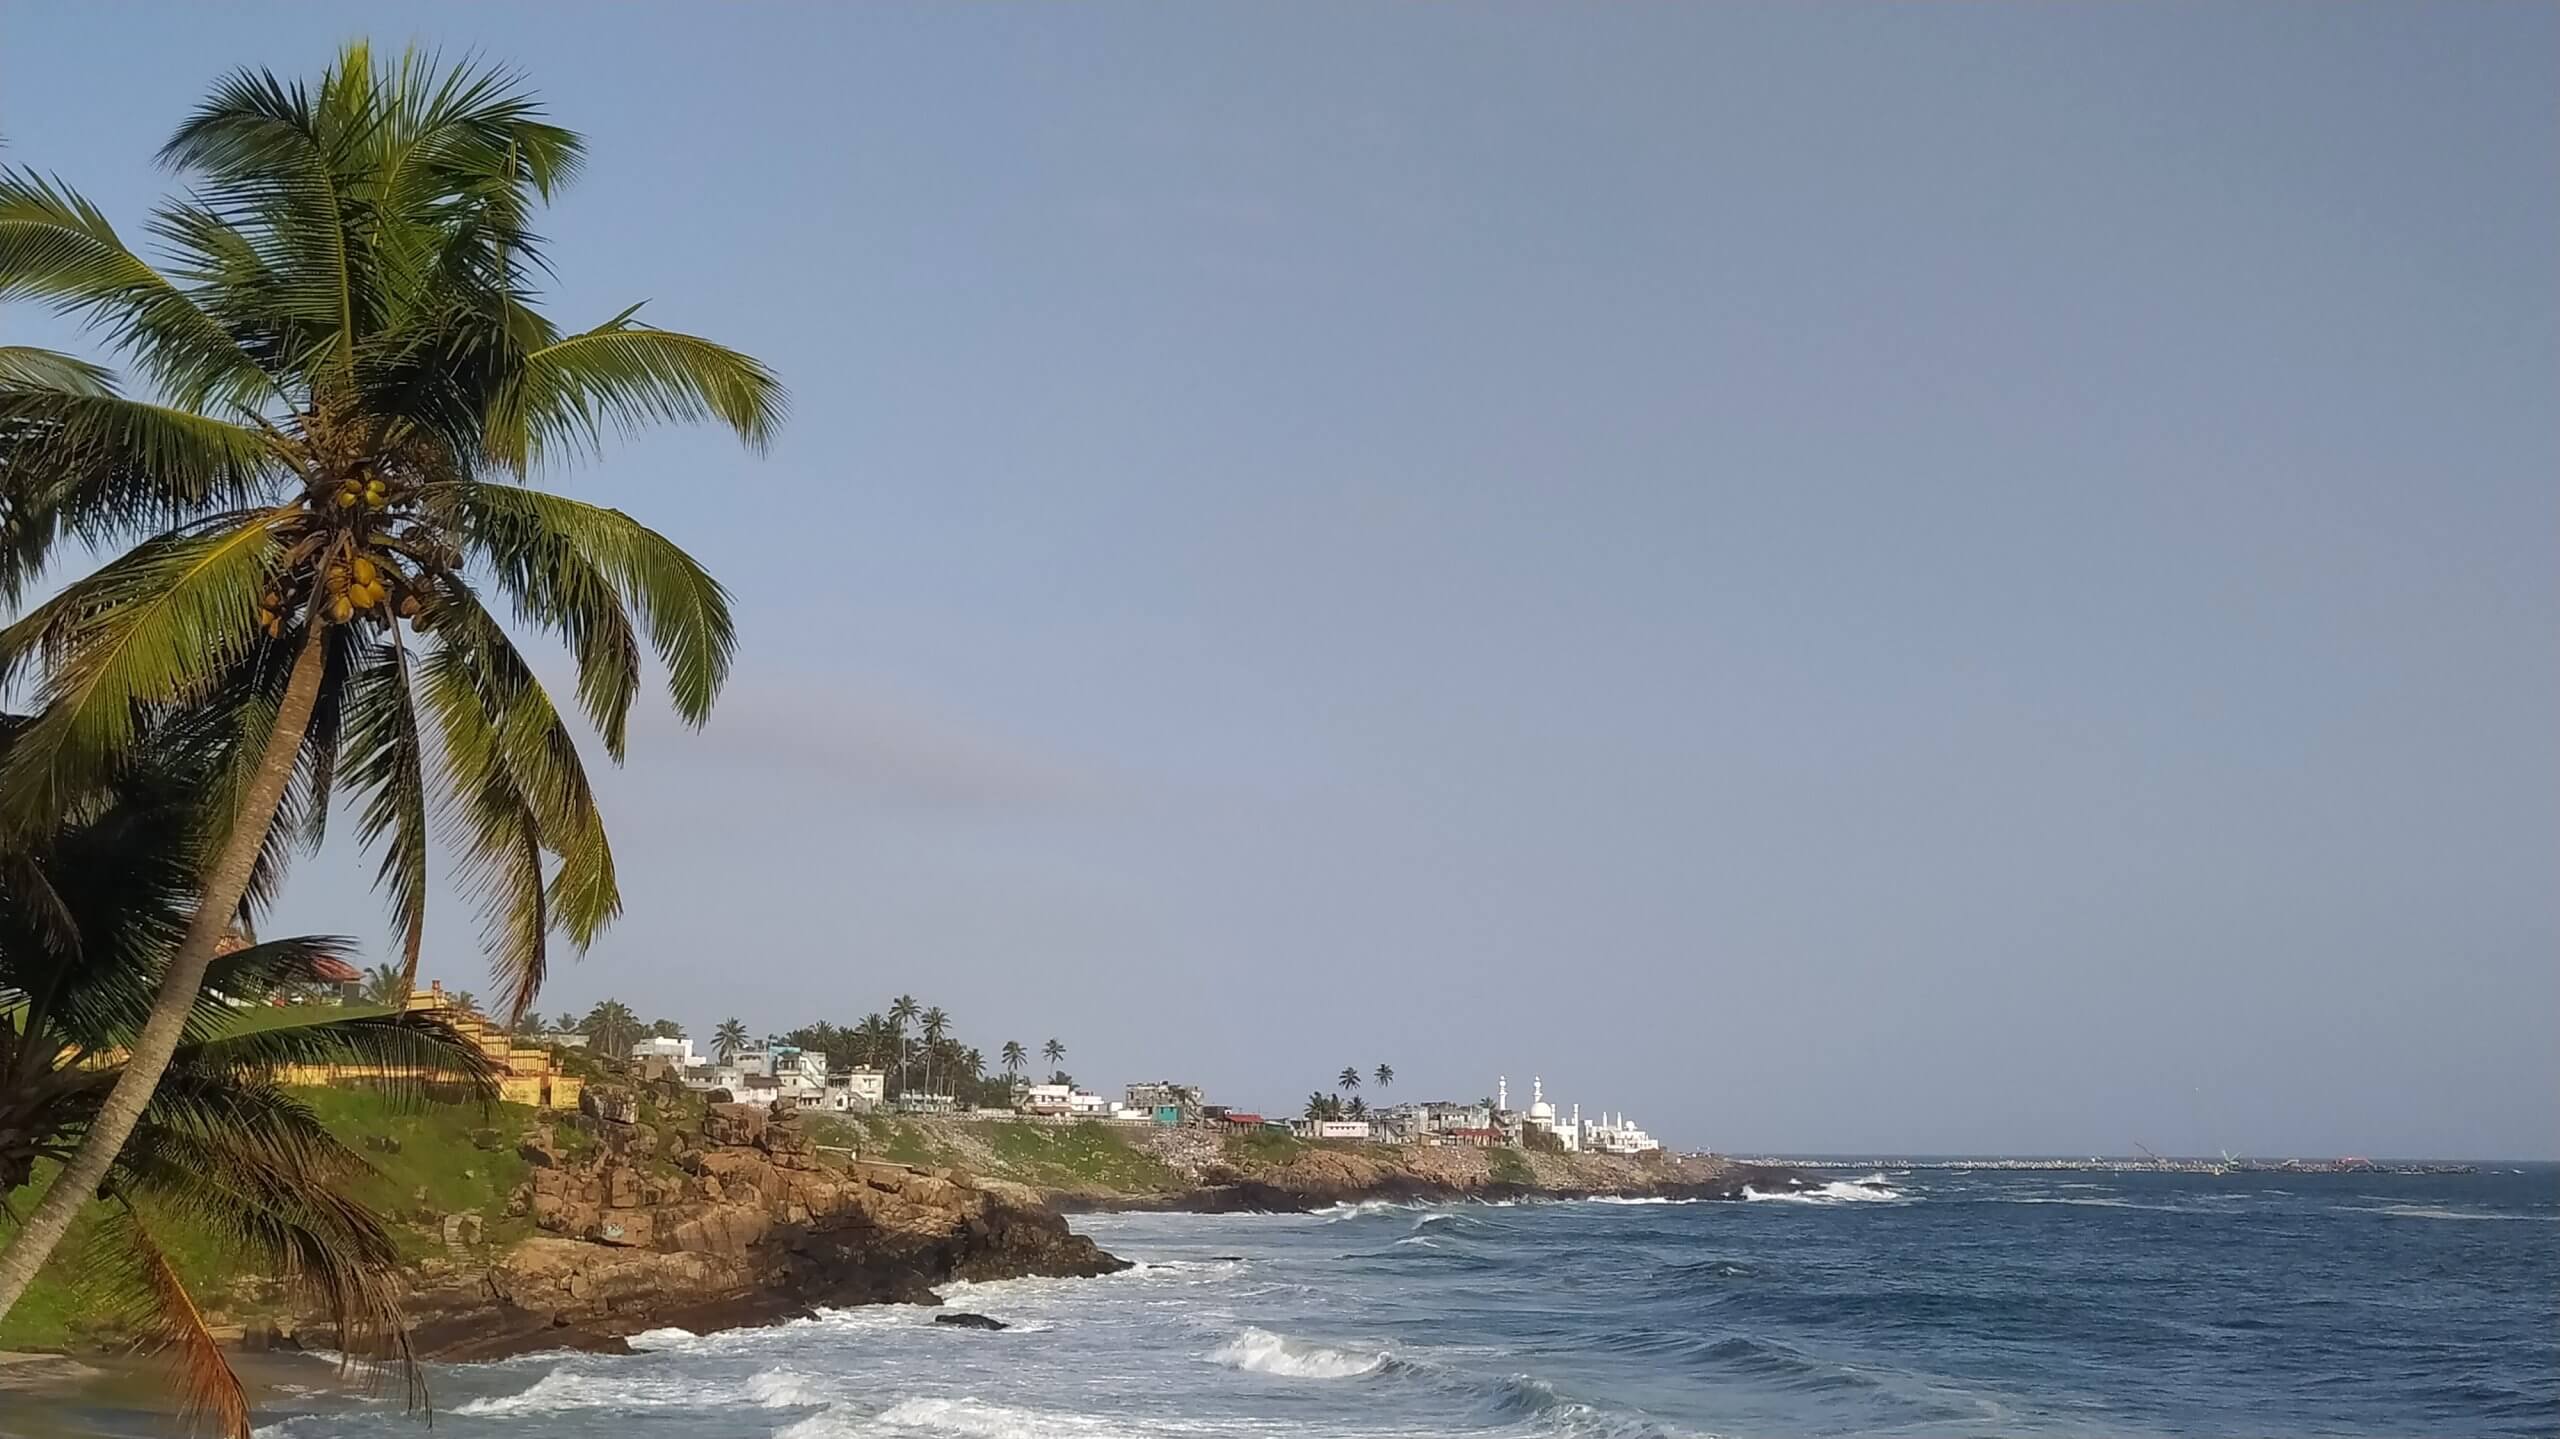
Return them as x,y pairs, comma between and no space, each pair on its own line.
1161,1095
855,1090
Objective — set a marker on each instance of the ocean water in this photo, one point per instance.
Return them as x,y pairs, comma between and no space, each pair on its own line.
1917,1303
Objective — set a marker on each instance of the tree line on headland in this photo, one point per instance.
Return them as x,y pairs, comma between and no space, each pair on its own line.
930,1060
310,477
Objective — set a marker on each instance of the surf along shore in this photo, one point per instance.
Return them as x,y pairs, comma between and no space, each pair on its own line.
651,1208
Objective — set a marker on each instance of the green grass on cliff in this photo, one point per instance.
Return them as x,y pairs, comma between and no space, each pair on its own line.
436,1155
1509,1166
1263,1147
1086,1155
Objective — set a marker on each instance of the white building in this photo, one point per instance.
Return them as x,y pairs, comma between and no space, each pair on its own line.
1342,1129
1606,1135
856,1089
1542,1117
1045,1098
1609,1134
658,1046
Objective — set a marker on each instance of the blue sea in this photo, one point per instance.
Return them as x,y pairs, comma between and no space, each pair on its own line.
1920,1302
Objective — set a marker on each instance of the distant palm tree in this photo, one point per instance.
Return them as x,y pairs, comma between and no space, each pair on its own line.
611,1028
902,1012
1053,1051
728,1039
876,1040
1349,1078
385,984
465,1001
1015,1056
1386,1074
1358,1108
666,1029
564,1023
1318,1106
933,1024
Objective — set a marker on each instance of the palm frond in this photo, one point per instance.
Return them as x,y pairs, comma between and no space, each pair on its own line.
156,628
386,759
549,552
622,377
57,247
102,467
289,1207
139,1283
411,1057
27,367
516,791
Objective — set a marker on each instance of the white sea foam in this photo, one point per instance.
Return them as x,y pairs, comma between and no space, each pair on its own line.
937,1417
556,1391
569,1390
2430,1211
1838,1191
785,1389
1336,1213
1637,1199
1260,1351
668,1338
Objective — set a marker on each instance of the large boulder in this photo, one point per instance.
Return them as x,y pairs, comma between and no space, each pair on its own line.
610,1103
733,1125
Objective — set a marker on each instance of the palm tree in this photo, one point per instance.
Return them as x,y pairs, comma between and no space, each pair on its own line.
348,381
1358,1108
665,1029
933,1025
902,1012
1054,1052
465,1002
611,1028
1015,1056
88,913
877,1041
564,1023
1386,1075
384,984
728,1039
1349,1078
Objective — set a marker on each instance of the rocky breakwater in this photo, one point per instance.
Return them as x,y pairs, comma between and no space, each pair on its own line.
743,1222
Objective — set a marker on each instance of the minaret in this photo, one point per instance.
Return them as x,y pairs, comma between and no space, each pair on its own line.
1537,1090
1501,1092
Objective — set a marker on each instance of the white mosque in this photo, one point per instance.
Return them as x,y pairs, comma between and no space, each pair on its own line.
1605,1135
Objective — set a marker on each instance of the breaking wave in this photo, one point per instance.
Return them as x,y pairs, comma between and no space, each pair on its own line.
1838,1191
1260,1351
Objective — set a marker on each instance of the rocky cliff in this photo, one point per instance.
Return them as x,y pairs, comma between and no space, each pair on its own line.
1300,1177
743,1222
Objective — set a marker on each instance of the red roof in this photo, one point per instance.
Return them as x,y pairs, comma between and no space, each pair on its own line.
1235,1118
328,970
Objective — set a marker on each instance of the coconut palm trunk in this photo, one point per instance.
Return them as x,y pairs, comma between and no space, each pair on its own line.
226,880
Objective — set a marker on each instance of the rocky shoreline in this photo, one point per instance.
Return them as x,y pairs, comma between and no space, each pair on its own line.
651,1213
742,1224
1322,1178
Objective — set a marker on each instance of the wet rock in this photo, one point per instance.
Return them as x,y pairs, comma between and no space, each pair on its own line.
970,1321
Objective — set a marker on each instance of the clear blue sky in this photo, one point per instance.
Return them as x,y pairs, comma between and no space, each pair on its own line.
1933,578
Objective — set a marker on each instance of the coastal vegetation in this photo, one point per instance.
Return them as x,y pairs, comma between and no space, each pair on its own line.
221,1161
311,483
